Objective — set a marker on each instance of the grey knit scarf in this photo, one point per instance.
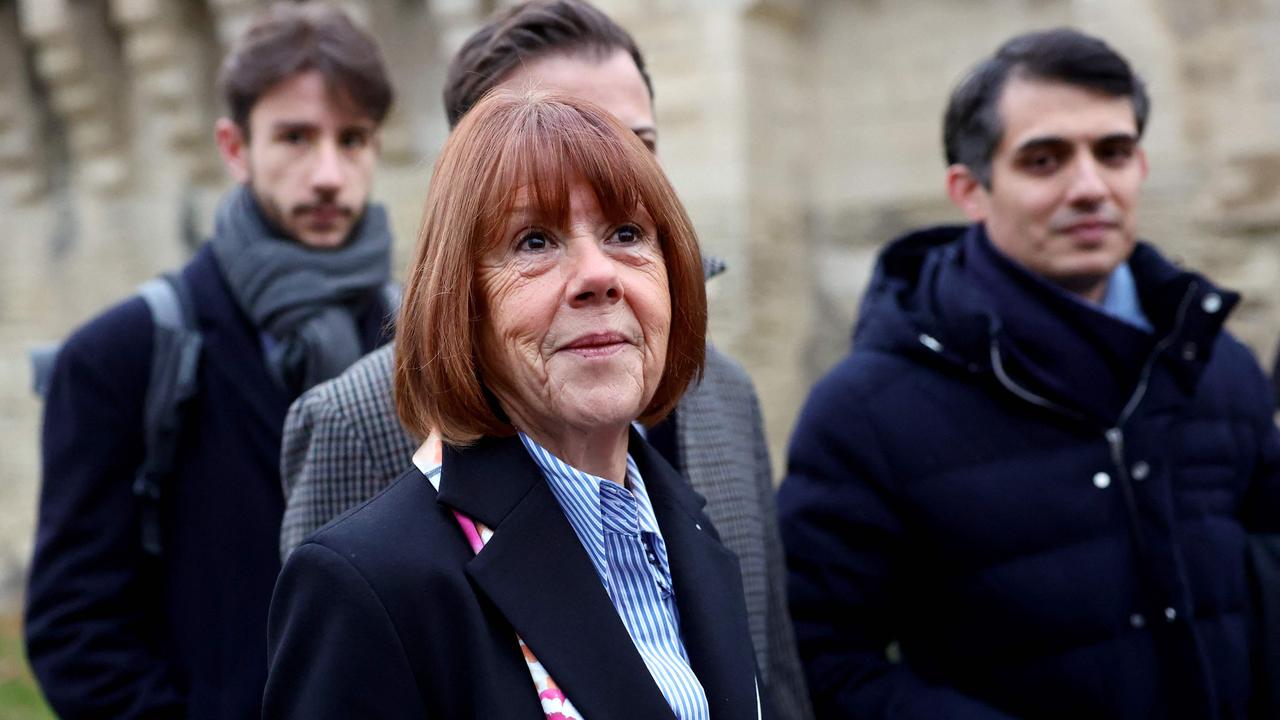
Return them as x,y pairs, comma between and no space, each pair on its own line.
305,299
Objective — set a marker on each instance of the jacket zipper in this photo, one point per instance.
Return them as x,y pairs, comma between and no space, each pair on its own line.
1114,435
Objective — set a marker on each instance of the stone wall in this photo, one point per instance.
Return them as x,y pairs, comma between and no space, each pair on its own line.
802,135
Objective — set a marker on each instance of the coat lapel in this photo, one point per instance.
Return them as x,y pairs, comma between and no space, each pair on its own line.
535,571
708,587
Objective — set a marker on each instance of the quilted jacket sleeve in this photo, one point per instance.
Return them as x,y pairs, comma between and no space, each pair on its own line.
786,679
843,540
324,459
93,594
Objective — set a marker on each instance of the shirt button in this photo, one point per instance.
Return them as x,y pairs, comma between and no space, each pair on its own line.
1211,303
1137,622
1101,481
1189,351
1170,614
1140,470
930,342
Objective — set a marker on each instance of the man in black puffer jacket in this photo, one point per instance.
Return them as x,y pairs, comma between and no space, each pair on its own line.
1039,468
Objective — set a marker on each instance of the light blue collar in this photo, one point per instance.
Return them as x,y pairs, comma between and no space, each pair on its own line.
1121,299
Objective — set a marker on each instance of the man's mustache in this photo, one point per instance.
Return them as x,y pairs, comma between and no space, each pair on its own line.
322,206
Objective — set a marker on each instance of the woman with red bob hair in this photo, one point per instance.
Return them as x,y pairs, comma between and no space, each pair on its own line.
539,559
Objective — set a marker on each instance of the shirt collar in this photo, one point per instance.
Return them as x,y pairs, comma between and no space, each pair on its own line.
580,495
1121,299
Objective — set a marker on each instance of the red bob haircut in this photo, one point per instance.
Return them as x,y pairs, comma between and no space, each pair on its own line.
542,142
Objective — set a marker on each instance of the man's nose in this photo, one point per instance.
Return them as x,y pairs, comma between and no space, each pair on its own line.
1088,186
327,171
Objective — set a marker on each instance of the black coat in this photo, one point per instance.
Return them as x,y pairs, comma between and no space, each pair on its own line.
1045,507
387,613
112,632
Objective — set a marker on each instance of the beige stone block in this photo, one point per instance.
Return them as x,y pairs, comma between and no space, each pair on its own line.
42,19
76,100
92,137
104,174
11,112
16,148
151,49
445,9
24,186
137,12
60,62
185,130
232,23
169,88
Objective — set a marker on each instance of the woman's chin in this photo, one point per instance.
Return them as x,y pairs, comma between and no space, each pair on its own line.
600,409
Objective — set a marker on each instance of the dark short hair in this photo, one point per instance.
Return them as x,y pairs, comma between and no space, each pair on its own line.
526,32
445,375
972,128
290,38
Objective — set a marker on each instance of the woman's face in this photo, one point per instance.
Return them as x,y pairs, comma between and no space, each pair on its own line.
576,317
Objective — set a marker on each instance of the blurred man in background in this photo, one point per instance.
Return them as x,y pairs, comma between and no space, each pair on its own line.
149,589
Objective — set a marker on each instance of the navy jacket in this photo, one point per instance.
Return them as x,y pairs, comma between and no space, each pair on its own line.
112,632
1045,507
386,612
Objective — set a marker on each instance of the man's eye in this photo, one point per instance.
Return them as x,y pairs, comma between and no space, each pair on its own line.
1117,154
293,137
533,240
354,140
1040,163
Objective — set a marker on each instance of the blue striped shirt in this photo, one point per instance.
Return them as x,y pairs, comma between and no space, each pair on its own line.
619,531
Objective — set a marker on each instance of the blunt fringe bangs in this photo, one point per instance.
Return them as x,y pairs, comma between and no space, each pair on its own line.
542,143
290,38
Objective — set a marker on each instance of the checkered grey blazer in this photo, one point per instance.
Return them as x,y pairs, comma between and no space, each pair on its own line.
343,443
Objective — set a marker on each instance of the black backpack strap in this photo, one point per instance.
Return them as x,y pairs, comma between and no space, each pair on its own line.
175,359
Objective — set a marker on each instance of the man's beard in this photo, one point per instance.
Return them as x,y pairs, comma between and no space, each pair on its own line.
279,219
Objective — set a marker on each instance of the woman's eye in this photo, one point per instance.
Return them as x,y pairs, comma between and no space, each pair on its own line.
533,240
628,234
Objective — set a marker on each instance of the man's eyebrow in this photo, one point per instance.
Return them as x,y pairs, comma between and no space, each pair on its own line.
283,125
1052,141
1117,137
1045,142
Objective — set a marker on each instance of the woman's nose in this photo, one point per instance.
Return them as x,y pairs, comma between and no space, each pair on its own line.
594,275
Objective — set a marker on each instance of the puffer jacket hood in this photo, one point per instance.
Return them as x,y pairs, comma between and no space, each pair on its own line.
925,303
918,303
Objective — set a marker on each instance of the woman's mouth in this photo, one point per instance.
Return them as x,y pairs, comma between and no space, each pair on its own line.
599,344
